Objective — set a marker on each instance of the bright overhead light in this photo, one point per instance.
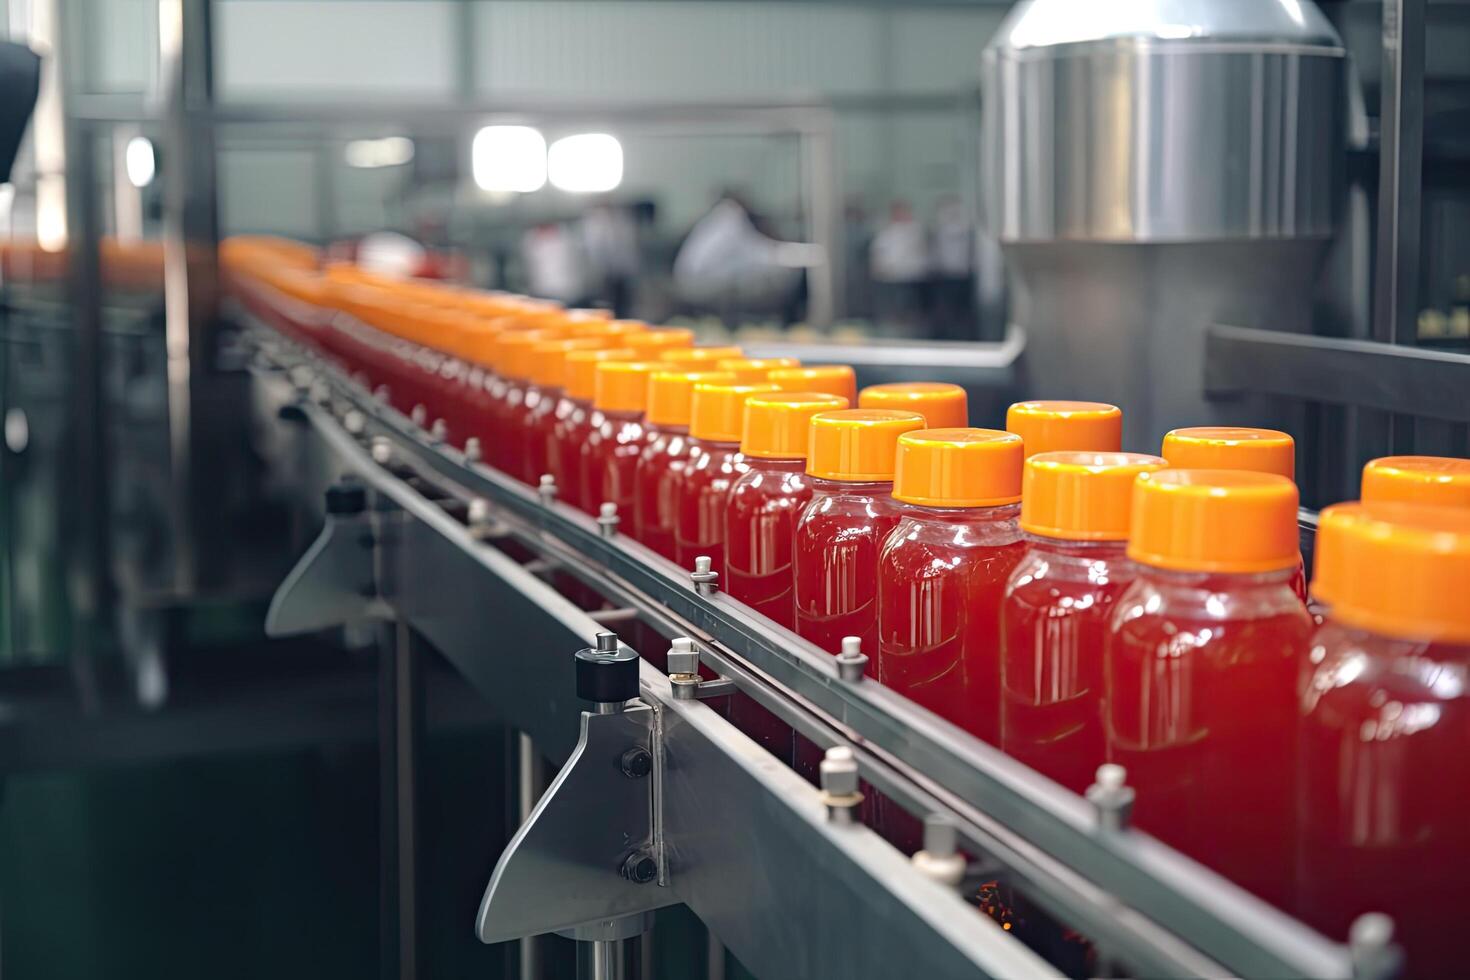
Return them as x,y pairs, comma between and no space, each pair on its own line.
586,163
509,158
139,161
390,151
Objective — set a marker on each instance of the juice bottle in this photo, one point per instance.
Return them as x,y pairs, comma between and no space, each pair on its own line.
1384,821
831,379
518,399
610,454
944,406
760,521
1060,426
942,572
698,358
702,488
573,419
1437,480
1075,514
755,370
850,459
1237,448
543,397
1201,665
656,512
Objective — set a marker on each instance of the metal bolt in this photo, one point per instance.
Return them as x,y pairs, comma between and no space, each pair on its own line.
1112,797
547,489
382,451
607,519
706,579
419,416
683,668
852,663
940,859
439,431
321,392
607,643
477,515
1370,942
301,378
354,422
839,774
640,867
472,451
636,762
381,393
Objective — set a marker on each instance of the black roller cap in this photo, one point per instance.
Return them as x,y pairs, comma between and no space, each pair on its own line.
605,673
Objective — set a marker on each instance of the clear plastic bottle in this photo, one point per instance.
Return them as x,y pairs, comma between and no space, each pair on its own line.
572,422
610,455
1201,666
942,572
1075,513
656,513
544,397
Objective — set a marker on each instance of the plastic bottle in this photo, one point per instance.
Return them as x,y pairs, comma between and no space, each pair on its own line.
656,512
573,418
944,406
1436,480
755,370
543,396
832,379
1201,666
610,455
942,572
1384,824
1064,426
850,461
760,521
702,487
1075,509
517,400
1237,448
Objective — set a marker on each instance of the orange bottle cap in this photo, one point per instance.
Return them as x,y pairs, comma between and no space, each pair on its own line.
513,351
670,389
959,467
857,445
717,410
834,379
660,338
549,359
944,406
691,356
581,369
1214,521
1082,496
609,329
1440,480
1231,448
1395,568
622,386
1058,426
776,423
755,370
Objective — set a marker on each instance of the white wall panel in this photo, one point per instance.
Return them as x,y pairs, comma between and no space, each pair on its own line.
267,191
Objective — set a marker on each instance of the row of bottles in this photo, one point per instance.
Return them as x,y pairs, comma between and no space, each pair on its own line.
1063,600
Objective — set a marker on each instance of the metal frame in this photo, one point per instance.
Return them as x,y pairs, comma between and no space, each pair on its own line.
1142,903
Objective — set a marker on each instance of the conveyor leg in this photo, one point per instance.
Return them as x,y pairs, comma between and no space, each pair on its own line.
400,725
714,959
606,959
531,784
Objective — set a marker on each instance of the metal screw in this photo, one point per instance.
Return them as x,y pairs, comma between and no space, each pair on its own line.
940,859
683,668
381,393
472,451
1112,797
382,451
636,762
547,489
321,392
607,519
607,643
419,416
354,422
439,431
640,867
477,516
706,579
1370,942
852,663
839,774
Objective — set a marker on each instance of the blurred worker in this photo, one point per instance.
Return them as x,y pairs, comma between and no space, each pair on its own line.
899,260
953,265
553,263
728,266
610,241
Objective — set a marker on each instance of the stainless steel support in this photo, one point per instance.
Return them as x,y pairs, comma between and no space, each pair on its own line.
400,735
1400,178
531,785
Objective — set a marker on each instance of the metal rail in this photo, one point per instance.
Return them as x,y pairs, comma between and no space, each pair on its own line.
1140,902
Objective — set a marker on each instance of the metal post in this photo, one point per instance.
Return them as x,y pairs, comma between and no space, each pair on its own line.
530,785
603,959
400,727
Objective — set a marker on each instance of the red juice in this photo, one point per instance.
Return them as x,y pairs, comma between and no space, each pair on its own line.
656,509
609,456
942,572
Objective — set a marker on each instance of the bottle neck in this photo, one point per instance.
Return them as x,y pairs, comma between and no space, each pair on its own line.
1092,550
1220,580
771,464
954,515
866,488
620,414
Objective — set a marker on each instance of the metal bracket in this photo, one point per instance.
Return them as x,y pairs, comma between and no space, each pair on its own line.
332,584
564,869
